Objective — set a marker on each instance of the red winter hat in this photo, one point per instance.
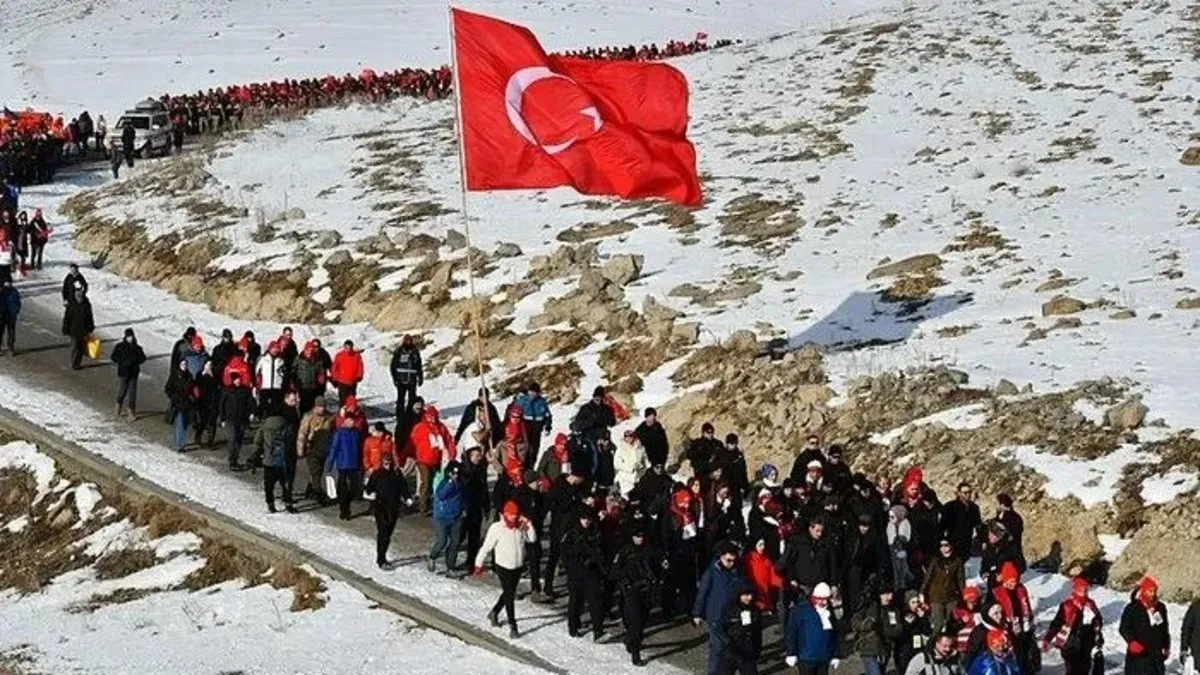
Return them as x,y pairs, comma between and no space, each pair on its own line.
1080,585
971,594
996,639
1008,572
351,402
683,498
511,509
560,441
197,342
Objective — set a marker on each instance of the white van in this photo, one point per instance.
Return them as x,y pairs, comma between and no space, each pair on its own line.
152,126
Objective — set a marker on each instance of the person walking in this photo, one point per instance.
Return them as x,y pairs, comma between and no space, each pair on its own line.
347,371
940,659
1077,630
636,570
310,376
101,132
810,640
39,234
998,658
1146,631
180,392
474,477
388,486
535,412
944,581
876,627
345,453
431,445
718,587
128,356
312,443
1189,638
10,307
407,374
506,540
237,404
78,324
586,572
449,505
275,442
128,139
742,625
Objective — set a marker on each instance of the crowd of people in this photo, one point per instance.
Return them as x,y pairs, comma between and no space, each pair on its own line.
842,563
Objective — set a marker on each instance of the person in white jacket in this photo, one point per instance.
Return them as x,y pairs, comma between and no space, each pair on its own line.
270,375
506,539
629,462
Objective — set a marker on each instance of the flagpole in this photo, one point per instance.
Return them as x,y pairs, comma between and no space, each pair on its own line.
466,222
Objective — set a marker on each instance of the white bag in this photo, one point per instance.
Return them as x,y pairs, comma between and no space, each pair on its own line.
330,486
689,531
1189,665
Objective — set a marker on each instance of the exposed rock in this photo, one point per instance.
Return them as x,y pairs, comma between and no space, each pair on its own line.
1190,157
339,258
1062,304
744,341
328,238
376,244
1188,303
917,264
455,240
1006,388
1054,284
440,280
1129,414
657,313
294,213
685,333
508,250
623,269
1123,314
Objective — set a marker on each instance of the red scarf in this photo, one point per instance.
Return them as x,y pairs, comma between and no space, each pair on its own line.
1004,599
1071,609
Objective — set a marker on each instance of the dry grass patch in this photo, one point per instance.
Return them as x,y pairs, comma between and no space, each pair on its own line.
307,590
124,562
118,597
587,231
223,563
559,381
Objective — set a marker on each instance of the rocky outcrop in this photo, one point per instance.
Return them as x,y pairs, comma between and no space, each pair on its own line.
1129,414
917,264
1062,304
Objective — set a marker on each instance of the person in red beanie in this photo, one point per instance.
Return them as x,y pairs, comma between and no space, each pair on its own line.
1013,598
557,461
1076,630
998,659
507,538
347,370
964,617
1146,631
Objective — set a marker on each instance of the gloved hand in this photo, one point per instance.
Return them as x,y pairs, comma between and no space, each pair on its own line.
478,571
1136,648
834,664
790,661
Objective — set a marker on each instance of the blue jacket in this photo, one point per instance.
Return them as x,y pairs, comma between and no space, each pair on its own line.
344,450
717,589
987,664
535,409
449,501
10,303
195,361
806,639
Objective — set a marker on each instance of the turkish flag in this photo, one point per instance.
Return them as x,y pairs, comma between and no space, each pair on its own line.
530,120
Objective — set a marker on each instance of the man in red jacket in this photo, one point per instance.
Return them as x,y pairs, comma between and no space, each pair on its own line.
347,370
429,442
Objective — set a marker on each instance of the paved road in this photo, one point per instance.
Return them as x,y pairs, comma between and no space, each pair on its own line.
43,360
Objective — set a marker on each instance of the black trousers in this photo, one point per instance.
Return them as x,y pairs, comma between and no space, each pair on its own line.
508,593
742,665
8,333
234,432
36,250
551,564
78,349
635,611
347,484
345,390
385,525
127,391
679,587
533,562
806,669
276,475
405,395
586,590
473,533
206,420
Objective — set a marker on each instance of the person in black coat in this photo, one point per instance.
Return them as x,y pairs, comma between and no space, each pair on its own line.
586,571
562,500
408,373
128,139
389,488
653,437
74,281
636,572
78,324
222,353
742,625
811,452
700,451
807,560
10,308
237,403
595,418
1076,630
181,347
1189,637
961,522
128,356
997,550
653,489
868,568
474,478
1012,521
729,460
208,406
1146,631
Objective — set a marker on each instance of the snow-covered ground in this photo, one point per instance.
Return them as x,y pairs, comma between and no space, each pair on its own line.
68,627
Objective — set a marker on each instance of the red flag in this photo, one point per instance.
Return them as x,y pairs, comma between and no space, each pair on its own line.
536,121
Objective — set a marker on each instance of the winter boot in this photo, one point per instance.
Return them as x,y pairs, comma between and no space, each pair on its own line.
120,409
494,618
512,632
432,567
636,659
271,507
132,415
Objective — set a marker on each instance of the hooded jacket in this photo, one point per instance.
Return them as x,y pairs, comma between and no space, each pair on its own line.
347,368
430,440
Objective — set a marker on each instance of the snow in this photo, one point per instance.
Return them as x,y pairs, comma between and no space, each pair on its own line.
52,627
1092,481
962,418
1113,545
87,497
1163,488
1090,410
17,524
20,455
